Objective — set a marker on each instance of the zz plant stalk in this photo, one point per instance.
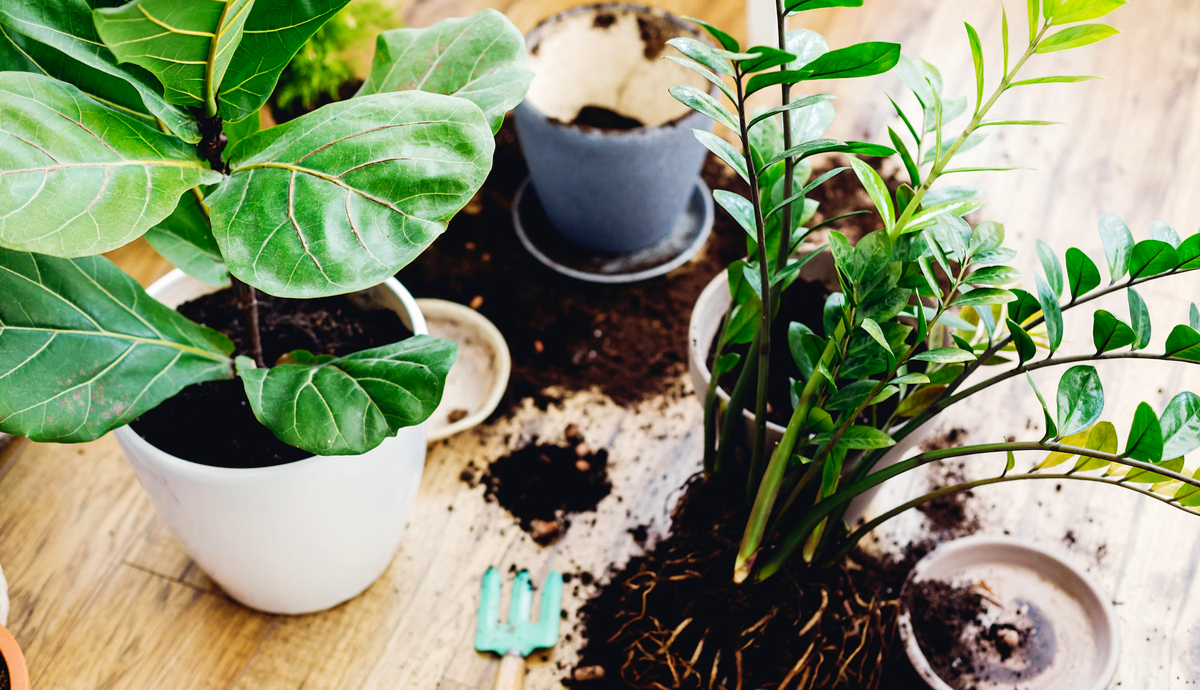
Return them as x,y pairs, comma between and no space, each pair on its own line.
141,119
925,301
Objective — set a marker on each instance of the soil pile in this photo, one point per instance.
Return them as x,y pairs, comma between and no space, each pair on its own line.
211,423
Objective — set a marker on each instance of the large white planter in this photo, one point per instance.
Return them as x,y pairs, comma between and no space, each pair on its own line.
293,538
706,320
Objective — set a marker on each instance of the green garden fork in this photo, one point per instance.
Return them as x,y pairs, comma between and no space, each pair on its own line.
517,638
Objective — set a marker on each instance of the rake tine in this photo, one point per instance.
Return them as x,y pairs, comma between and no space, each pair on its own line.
551,610
522,600
489,603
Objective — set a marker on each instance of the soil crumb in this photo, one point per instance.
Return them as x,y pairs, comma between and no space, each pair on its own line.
543,485
678,602
183,425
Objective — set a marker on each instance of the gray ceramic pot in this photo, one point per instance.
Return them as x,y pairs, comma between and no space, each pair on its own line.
610,190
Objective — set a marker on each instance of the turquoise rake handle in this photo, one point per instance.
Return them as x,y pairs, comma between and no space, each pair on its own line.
518,634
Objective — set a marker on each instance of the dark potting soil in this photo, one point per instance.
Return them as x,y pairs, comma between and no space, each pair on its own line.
543,485
673,617
941,613
949,516
627,341
598,117
5,682
212,423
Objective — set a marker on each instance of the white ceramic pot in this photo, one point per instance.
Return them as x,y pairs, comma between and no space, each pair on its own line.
706,320
293,538
1035,584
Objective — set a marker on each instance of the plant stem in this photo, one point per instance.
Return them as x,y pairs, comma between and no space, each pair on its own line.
789,165
711,399
733,411
248,305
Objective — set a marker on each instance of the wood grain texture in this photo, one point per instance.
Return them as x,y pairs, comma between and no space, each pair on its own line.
104,597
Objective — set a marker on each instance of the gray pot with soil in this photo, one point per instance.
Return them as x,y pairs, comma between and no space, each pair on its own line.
611,154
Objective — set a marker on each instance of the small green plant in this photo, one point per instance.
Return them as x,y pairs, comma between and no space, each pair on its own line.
141,119
923,303
329,61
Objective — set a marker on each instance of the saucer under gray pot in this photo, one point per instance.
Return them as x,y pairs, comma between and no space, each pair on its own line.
608,190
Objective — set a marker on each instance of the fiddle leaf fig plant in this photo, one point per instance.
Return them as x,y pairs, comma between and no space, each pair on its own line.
925,300
142,120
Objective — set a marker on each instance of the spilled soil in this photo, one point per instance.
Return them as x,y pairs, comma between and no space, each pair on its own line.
941,614
948,516
627,341
543,485
183,425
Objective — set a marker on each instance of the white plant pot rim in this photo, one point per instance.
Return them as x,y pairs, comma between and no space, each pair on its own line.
231,475
980,545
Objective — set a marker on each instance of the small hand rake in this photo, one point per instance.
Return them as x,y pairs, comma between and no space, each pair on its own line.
517,638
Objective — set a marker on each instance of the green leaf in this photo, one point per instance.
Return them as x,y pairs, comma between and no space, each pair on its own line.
885,307
274,32
793,6
875,332
88,65
1072,11
236,132
1052,311
806,45
994,275
1082,274
1143,477
84,350
187,45
1181,425
1118,245
1188,495
767,57
341,198
768,79
920,399
185,239
727,363
80,178
1184,343
852,395
1051,266
1051,80
480,58
1102,437
833,311
812,148
1026,350
805,348
708,74
1051,429
1145,436
348,405
727,42
872,255
700,102
914,172
1025,308
1080,399
1189,253
703,54
876,189
723,150
1194,317
1056,458
1151,257
1110,333
859,60
913,379
1139,319
984,296
977,57
1075,37
1033,6
858,438
1165,233
945,355
739,208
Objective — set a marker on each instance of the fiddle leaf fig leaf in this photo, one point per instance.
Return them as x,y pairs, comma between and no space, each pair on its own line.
1139,318
1118,245
84,350
348,405
274,32
1080,399
187,45
1082,274
1053,269
80,178
480,58
75,54
1145,436
341,198
185,239
1110,333
1181,425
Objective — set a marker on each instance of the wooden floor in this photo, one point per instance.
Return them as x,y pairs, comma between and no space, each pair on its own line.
103,596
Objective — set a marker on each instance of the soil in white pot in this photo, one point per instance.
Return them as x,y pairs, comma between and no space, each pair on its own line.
212,422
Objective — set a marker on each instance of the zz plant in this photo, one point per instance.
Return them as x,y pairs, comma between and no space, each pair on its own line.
141,119
925,301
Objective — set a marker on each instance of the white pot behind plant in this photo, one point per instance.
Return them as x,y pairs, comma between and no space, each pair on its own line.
293,538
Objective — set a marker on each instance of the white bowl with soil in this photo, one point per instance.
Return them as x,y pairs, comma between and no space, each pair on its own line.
610,152
290,538
707,317
997,613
